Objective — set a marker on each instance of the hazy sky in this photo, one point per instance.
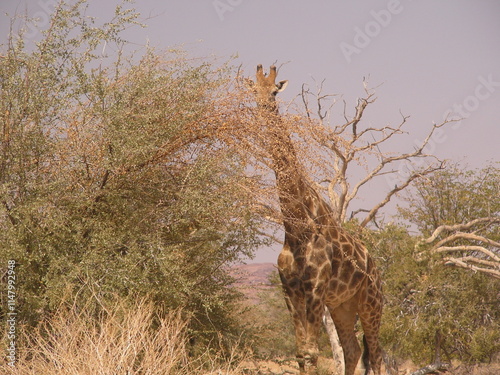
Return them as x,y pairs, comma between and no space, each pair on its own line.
432,57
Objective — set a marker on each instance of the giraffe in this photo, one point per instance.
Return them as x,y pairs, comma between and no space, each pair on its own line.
320,264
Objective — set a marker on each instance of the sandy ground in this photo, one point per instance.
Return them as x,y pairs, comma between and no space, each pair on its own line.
326,366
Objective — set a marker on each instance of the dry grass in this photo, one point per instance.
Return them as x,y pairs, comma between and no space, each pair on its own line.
123,340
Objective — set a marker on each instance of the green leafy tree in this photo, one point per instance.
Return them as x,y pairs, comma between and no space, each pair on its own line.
423,297
112,179
424,292
452,196
458,212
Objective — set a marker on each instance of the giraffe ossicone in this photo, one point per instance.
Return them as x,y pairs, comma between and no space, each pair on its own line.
320,263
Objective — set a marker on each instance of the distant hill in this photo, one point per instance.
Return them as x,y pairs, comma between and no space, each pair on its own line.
251,279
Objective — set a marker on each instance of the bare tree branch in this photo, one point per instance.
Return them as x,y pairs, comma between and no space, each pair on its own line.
460,262
482,252
469,248
397,188
350,145
471,259
460,227
360,108
467,236
304,100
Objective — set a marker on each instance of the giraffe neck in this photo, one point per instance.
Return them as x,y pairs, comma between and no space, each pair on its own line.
291,183
304,211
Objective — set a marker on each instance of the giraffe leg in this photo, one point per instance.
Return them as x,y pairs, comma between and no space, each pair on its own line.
295,302
344,318
314,315
370,320
296,307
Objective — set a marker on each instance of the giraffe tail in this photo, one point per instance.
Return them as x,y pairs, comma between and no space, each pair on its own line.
366,356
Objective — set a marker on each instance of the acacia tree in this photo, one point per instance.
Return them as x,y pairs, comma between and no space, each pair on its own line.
458,214
424,299
446,281
112,180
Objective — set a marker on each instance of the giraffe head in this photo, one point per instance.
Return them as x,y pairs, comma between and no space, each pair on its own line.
266,88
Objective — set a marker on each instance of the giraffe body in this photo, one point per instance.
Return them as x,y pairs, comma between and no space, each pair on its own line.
320,264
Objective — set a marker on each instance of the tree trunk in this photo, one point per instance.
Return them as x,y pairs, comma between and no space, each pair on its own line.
338,353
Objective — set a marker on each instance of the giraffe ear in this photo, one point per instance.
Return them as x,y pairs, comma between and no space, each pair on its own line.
281,85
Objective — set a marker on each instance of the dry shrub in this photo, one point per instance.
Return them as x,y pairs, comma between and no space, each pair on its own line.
258,139
128,340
